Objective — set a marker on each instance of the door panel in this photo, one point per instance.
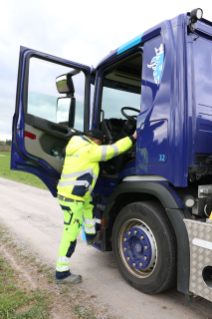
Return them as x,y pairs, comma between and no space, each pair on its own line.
49,127
39,133
42,147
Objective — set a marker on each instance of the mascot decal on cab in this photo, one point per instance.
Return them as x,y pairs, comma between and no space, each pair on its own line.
157,64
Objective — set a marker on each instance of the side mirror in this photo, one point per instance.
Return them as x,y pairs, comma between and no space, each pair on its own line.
66,105
66,111
65,84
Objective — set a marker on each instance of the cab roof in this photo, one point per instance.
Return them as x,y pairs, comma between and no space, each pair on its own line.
151,33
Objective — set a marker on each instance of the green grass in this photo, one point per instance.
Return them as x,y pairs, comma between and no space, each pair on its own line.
21,177
81,312
16,303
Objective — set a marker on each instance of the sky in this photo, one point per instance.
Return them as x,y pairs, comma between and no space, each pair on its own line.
81,31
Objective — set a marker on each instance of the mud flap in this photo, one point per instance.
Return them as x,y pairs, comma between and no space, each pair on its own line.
200,241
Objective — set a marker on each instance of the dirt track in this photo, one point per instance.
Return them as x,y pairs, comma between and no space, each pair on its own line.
34,217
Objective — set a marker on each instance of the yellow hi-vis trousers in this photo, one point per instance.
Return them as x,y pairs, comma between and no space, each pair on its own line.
74,214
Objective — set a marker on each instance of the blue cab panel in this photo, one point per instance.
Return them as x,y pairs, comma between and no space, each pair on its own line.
202,56
162,101
152,143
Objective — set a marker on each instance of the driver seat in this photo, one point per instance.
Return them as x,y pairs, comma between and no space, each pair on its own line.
113,129
106,132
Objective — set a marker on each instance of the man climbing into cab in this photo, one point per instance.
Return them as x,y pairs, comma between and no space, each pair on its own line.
78,178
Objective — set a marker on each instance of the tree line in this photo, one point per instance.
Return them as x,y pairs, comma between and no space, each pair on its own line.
6,143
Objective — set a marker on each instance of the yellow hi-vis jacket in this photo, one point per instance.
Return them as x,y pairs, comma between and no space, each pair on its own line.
81,165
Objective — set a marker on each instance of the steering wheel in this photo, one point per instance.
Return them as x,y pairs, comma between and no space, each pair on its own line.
129,117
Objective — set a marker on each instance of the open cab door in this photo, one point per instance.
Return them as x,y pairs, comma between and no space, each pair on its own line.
52,104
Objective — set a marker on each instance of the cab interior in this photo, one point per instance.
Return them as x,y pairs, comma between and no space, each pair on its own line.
122,80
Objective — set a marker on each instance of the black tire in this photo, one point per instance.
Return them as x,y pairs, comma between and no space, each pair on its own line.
163,274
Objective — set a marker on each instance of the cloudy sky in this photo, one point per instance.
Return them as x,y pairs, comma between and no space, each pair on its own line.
81,30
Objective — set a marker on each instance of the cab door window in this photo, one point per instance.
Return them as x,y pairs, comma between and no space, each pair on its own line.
114,100
120,106
44,100
121,89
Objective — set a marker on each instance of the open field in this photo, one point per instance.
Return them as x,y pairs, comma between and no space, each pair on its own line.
20,177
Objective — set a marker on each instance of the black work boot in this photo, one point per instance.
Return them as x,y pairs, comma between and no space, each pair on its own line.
96,239
72,279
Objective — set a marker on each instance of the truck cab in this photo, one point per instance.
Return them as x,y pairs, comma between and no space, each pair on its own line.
158,83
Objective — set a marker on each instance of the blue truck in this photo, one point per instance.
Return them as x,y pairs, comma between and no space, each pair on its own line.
153,202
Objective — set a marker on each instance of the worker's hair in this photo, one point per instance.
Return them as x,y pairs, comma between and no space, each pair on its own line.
96,134
95,140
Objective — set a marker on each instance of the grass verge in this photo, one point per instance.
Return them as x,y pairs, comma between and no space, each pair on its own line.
21,177
23,299
16,303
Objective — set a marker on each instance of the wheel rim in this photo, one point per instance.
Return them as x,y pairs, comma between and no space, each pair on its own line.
138,248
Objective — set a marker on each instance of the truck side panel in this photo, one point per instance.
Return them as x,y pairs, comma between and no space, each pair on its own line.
162,123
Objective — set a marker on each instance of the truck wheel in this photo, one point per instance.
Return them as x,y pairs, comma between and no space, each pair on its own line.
144,246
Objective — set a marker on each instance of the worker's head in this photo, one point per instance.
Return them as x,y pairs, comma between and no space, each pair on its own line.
96,136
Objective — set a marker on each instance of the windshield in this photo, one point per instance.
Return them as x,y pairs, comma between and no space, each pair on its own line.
114,100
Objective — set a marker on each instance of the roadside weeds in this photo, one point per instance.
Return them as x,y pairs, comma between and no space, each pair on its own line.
16,302
38,296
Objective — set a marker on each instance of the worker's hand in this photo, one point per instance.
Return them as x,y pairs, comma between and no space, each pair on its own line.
135,134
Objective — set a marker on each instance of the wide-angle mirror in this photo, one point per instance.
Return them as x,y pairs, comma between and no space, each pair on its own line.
66,111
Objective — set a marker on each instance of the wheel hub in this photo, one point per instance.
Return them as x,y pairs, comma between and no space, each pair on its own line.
137,248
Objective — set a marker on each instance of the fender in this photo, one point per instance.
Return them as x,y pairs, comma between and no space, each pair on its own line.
173,207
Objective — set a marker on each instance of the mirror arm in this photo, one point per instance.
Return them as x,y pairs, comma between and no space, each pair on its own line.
72,108
103,115
70,95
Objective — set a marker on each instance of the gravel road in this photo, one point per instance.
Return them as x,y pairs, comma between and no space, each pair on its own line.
34,216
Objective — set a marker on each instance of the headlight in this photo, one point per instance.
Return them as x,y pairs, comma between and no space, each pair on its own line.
189,201
196,14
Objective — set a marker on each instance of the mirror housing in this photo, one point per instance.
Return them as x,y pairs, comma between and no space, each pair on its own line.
65,84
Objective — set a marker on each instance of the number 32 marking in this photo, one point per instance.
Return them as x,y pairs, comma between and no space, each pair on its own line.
162,157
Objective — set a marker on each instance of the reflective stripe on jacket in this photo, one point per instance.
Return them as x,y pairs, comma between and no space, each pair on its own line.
81,165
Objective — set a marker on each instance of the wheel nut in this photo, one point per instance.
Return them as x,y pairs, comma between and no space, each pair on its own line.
145,247
142,237
125,249
135,232
134,264
141,265
125,239
129,232
145,258
128,258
